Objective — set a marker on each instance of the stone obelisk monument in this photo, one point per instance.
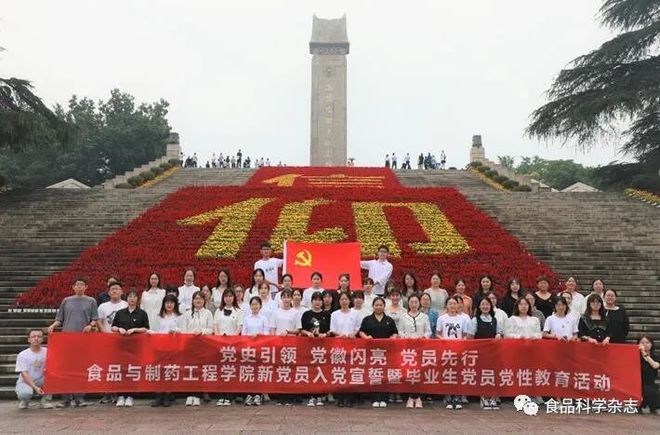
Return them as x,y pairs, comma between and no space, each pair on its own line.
329,47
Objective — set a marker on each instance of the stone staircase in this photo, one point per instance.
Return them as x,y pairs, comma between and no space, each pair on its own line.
42,232
589,235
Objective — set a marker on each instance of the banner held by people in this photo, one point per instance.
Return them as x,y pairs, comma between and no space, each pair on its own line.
330,259
279,364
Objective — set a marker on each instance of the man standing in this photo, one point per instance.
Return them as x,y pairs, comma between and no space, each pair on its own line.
380,270
394,161
30,365
406,162
239,158
269,266
77,313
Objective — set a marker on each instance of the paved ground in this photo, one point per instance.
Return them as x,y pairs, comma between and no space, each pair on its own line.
300,419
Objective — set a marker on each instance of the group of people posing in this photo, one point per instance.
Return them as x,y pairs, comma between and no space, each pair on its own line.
381,309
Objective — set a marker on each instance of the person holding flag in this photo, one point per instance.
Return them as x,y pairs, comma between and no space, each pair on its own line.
270,267
380,270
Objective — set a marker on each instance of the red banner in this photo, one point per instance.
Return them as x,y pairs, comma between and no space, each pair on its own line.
272,364
331,259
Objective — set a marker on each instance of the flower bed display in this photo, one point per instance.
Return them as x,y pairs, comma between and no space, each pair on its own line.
644,195
208,228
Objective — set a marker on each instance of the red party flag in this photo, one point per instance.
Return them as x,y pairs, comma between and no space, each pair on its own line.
330,259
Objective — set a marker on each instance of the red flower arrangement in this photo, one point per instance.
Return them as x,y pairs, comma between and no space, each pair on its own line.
208,228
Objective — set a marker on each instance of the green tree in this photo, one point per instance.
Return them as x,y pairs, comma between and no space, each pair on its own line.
506,161
556,173
614,85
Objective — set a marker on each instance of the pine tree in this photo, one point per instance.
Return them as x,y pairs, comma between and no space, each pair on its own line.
614,86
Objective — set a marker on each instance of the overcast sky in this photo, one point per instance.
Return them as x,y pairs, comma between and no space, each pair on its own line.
422,75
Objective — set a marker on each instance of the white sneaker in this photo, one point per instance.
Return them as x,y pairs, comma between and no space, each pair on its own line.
458,406
189,401
227,402
249,400
257,400
196,401
375,404
45,404
383,404
121,401
311,403
220,402
128,402
450,405
493,404
319,401
23,404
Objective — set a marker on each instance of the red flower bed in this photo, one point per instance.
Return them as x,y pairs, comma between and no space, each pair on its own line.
160,241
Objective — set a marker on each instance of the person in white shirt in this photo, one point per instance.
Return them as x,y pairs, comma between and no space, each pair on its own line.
255,324
107,310
380,270
296,301
453,325
358,305
414,324
317,281
198,321
270,266
394,307
559,325
268,305
500,315
30,365
258,277
522,324
228,320
241,300
152,299
573,314
285,320
578,301
170,321
438,295
344,322
287,283
369,296
223,283
187,290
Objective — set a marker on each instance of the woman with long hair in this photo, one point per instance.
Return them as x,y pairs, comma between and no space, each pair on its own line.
593,326
222,284
152,299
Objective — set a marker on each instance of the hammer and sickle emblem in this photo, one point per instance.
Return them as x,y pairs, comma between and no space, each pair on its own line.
303,258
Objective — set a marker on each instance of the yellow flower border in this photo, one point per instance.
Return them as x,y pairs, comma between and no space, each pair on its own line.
159,178
644,195
492,183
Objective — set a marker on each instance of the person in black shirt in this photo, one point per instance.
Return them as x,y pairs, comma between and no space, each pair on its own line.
616,317
593,326
132,319
650,368
378,325
545,301
513,292
315,323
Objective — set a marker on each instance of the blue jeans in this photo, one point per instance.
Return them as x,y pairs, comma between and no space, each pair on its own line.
24,392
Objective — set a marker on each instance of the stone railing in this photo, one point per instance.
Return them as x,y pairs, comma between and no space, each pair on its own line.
478,154
173,151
